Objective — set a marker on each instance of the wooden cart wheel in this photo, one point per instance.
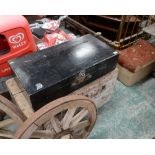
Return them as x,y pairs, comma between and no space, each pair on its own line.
67,117
10,114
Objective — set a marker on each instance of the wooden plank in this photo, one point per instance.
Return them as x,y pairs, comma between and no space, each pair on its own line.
23,104
19,97
13,87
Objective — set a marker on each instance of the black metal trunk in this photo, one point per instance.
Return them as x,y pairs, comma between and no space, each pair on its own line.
57,71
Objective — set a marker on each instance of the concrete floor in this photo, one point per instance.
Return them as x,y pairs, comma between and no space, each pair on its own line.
129,114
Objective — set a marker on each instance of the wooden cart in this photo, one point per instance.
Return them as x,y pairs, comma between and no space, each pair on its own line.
72,116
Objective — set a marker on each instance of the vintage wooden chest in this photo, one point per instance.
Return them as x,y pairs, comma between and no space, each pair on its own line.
60,70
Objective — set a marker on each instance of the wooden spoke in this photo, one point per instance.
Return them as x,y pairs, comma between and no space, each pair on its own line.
81,125
11,110
56,124
13,115
61,118
6,122
80,129
68,118
78,117
48,125
6,134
